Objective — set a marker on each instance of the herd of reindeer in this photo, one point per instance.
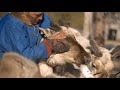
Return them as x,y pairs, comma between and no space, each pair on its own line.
85,59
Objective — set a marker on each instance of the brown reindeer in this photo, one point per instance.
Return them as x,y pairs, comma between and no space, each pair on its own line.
76,54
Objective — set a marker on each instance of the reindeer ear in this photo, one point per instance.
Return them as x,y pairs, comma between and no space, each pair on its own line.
95,48
55,27
115,53
87,59
116,49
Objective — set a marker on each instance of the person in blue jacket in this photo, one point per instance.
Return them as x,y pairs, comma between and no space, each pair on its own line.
19,32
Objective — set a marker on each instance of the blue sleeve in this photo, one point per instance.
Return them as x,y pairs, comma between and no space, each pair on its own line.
45,23
14,41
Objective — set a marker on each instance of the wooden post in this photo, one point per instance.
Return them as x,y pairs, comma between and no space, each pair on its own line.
100,28
88,24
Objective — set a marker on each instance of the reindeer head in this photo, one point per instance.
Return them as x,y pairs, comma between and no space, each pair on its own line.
101,64
98,69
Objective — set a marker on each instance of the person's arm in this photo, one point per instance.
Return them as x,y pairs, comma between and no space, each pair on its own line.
43,50
20,43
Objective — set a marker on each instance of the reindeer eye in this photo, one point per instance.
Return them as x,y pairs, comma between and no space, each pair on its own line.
93,65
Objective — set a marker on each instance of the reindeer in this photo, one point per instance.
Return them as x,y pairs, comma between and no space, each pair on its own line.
76,54
14,65
83,50
48,72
